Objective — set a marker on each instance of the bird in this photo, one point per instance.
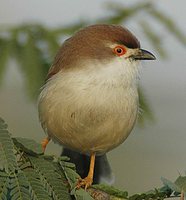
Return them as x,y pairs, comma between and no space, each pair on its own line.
89,102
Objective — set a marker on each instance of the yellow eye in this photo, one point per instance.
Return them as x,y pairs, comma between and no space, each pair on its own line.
119,50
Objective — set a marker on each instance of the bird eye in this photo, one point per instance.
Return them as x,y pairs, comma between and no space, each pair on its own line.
119,50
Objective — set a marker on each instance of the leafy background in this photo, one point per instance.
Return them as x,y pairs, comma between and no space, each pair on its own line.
27,51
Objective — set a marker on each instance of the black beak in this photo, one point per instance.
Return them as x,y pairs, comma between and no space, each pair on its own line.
142,54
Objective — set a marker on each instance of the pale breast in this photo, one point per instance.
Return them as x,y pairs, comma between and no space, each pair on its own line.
88,114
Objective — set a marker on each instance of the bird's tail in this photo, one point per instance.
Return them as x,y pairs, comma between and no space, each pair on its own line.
102,171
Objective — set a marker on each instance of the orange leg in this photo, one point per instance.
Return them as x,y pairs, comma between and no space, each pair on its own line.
87,182
45,142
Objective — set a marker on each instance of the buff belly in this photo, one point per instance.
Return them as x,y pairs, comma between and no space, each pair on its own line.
90,122
91,111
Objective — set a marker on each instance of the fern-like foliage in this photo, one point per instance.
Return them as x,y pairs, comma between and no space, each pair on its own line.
27,174
18,186
7,157
72,177
4,181
51,179
19,178
37,191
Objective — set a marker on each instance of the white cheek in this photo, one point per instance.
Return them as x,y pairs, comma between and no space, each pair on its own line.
128,69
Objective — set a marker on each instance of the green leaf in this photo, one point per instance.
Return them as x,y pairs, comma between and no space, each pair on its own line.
3,185
70,174
7,157
72,178
166,190
181,183
51,179
63,161
171,185
81,194
28,146
19,187
111,190
37,188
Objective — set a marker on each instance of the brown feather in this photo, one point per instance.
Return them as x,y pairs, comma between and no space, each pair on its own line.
89,43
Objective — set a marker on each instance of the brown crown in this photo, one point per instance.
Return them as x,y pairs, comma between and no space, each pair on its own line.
89,43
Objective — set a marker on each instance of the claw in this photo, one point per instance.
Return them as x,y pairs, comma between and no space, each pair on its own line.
87,182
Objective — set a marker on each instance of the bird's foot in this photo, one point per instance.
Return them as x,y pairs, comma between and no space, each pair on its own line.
84,183
44,143
87,182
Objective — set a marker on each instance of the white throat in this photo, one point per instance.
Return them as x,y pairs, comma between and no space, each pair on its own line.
116,73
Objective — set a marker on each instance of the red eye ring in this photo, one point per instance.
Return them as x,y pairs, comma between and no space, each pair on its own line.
119,50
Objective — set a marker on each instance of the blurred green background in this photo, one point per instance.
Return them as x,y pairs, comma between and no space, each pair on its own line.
32,31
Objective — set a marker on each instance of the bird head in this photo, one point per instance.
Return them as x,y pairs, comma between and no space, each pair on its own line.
96,44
